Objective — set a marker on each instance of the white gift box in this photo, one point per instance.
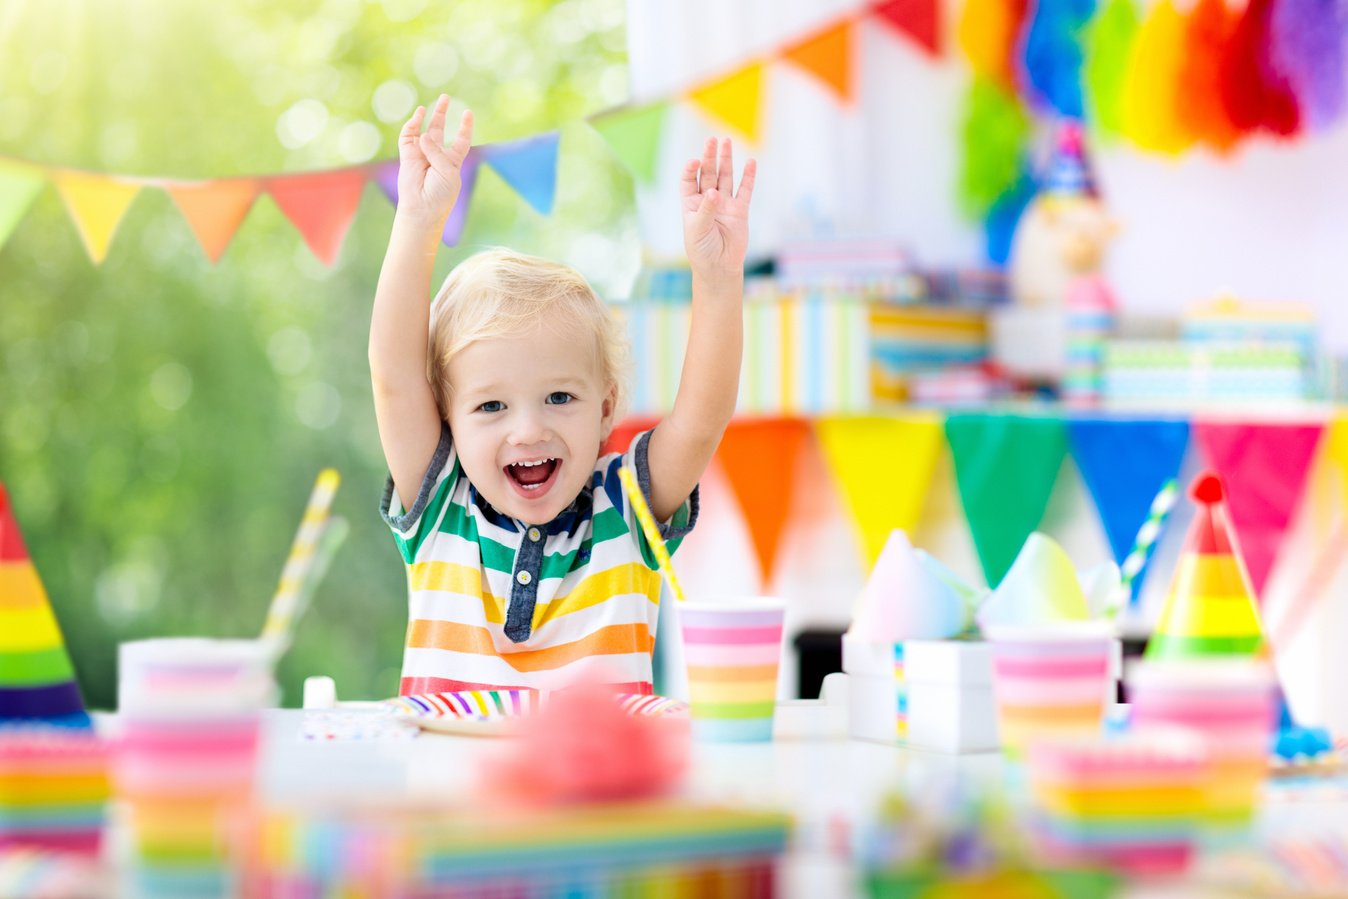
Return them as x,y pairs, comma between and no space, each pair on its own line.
942,699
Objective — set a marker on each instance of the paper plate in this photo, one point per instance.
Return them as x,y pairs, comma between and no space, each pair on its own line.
492,713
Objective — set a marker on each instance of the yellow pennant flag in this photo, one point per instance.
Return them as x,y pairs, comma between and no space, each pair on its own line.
883,466
215,210
96,204
1335,451
737,100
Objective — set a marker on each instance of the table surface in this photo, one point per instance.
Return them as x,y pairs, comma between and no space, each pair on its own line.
830,785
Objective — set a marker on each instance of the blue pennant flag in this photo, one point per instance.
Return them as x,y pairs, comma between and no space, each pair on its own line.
529,166
1125,463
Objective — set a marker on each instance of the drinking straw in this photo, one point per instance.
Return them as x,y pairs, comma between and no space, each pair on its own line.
300,563
1147,536
650,529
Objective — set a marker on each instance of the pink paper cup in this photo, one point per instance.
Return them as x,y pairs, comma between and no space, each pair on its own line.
732,650
1049,682
1230,702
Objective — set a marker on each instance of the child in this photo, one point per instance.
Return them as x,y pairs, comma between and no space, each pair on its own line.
524,559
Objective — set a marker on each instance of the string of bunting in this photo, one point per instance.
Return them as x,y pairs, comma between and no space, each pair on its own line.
1006,466
322,204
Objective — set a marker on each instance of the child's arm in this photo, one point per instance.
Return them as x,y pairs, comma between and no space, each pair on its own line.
715,236
428,185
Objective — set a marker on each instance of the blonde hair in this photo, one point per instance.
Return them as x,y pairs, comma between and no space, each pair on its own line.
499,292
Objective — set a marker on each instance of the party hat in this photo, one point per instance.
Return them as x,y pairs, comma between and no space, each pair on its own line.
37,682
1042,587
1069,172
911,596
1210,609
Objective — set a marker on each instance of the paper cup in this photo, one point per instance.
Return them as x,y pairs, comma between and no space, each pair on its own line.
1230,702
1050,681
732,650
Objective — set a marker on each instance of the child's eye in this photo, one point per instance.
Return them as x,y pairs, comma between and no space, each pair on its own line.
491,406
559,398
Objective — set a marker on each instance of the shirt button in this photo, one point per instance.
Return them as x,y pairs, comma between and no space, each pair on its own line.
524,577
534,534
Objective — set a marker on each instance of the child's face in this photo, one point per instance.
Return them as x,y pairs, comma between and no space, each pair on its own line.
528,414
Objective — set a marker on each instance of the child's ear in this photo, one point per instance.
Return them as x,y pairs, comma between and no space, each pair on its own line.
607,409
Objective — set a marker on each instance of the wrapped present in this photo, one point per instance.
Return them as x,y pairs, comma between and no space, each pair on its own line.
1228,321
1154,371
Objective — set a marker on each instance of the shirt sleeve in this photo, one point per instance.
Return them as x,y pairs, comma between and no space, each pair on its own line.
412,527
673,530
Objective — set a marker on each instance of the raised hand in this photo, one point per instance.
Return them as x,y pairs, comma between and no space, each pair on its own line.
715,219
429,173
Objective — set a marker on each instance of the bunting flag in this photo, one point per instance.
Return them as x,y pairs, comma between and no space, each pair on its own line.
1124,463
385,176
1336,456
19,187
883,466
736,100
529,166
759,458
1264,467
214,210
37,681
96,204
1005,466
828,56
916,19
1108,43
1151,91
987,33
321,206
1052,50
633,134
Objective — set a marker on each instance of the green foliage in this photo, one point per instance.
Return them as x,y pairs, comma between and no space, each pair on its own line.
162,420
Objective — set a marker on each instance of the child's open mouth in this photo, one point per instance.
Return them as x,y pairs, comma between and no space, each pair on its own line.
533,479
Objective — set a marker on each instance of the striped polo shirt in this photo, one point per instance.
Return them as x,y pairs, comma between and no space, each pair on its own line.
494,603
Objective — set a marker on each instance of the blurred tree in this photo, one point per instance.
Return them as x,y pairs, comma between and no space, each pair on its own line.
162,420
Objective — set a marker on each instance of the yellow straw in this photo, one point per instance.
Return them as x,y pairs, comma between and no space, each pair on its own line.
298,565
649,528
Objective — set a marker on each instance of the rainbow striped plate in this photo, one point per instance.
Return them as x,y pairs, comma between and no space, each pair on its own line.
492,713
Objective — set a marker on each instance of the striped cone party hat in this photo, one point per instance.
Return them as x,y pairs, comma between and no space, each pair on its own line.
37,682
1210,610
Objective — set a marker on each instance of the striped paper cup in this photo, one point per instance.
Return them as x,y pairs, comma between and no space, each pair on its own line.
1231,703
732,649
1049,681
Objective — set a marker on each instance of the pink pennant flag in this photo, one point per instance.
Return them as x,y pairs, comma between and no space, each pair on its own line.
321,206
1264,467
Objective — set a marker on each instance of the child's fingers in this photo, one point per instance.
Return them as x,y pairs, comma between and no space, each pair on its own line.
437,128
746,191
708,165
688,183
463,141
725,174
407,138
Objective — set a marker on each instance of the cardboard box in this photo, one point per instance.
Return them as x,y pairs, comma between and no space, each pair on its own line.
940,699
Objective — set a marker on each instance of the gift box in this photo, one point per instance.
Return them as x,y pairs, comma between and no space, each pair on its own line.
928,694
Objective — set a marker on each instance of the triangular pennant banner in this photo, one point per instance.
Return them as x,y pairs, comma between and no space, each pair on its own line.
37,681
321,206
759,458
620,439
1336,455
1005,466
827,56
529,166
884,467
1125,463
215,210
917,19
96,203
19,186
737,100
385,175
1264,467
634,136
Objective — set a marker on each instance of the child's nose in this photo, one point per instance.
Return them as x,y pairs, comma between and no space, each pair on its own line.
527,426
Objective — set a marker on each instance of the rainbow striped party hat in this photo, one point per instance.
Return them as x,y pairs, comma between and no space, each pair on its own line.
1210,610
37,682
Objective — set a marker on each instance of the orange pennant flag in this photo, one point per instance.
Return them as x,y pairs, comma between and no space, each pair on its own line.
215,210
96,203
321,206
737,100
827,56
759,459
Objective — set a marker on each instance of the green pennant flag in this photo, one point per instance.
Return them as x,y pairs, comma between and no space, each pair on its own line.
19,186
1005,466
633,133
